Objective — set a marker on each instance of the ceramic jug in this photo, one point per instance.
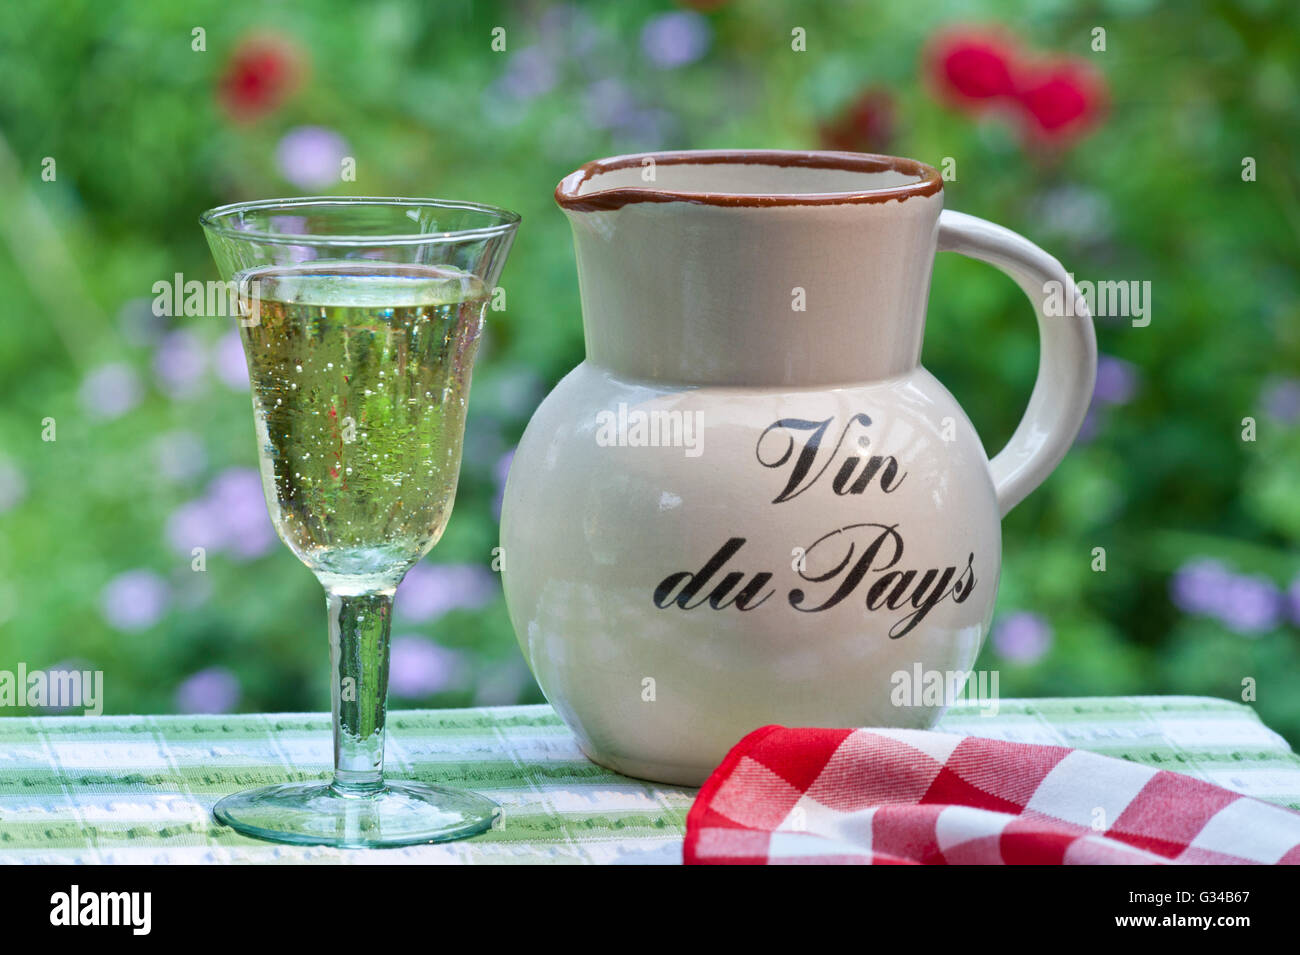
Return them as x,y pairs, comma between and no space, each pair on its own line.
751,504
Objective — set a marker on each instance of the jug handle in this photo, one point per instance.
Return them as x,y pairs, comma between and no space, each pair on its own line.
1067,357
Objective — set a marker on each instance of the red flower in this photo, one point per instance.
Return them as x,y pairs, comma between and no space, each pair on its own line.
262,73
867,125
972,68
1061,100
1055,100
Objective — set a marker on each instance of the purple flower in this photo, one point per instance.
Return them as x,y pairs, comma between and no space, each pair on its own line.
1252,605
196,524
420,667
228,361
134,600
675,39
214,690
1090,427
1022,637
13,486
179,455
529,73
288,224
1117,380
1200,586
232,516
1281,399
431,590
1246,604
237,498
1293,601
180,362
311,157
110,391
502,469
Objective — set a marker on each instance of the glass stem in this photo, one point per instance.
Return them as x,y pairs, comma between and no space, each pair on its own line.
359,630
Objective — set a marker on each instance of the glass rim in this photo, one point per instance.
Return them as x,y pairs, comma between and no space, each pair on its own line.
212,221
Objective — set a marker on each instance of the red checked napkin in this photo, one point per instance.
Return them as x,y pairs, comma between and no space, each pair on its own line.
889,796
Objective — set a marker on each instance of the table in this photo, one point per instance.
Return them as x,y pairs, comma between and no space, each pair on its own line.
139,789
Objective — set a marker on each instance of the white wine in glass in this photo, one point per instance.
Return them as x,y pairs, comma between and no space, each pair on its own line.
361,321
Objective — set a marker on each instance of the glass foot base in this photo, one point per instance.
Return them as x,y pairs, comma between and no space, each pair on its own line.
317,814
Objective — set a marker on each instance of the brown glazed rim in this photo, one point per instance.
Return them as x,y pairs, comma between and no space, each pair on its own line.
568,198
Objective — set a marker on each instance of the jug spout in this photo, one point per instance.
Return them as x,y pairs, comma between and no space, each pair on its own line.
754,268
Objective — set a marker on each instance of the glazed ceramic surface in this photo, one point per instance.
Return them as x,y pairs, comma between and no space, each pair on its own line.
751,504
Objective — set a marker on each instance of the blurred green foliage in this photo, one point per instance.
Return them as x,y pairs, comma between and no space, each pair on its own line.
129,111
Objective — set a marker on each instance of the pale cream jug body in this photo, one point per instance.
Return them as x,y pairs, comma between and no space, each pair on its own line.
751,504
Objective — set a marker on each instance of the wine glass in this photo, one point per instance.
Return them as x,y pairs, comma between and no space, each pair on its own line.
359,319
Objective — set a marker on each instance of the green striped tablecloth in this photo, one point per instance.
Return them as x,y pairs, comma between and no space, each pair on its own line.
140,789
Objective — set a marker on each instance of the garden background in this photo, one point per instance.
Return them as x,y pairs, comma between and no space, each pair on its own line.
1161,149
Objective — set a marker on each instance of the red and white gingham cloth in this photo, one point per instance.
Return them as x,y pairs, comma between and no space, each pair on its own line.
892,796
